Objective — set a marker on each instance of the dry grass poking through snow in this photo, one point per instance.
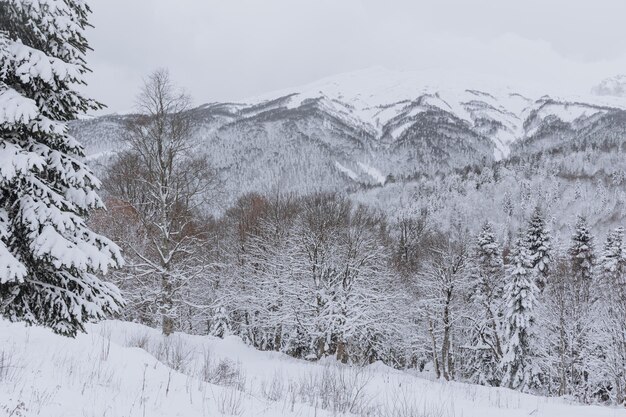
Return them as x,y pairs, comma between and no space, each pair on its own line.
123,369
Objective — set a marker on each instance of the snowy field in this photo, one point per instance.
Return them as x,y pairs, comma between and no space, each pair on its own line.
124,369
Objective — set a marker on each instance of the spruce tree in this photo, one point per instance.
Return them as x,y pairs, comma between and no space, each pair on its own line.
49,258
538,243
613,261
609,341
608,338
487,277
518,365
221,325
582,259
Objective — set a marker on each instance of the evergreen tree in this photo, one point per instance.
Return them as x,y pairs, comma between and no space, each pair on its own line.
538,243
608,341
221,326
613,260
507,204
518,365
582,259
578,190
48,257
487,287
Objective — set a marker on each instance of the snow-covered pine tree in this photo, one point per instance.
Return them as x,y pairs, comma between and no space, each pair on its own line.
578,190
48,256
221,323
538,243
608,338
520,293
582,259
487,281
613,261
507,204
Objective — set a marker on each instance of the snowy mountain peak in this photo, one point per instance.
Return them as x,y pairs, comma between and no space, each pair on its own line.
387,103
613,86
366,127
378,86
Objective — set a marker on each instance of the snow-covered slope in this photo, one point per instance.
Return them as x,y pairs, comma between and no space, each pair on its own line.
124,369
387,101
358,129
614,86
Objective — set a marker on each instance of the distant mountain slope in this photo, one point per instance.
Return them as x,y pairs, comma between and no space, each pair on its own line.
613,86
357,129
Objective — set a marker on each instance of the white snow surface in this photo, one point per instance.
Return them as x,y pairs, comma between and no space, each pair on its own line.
372,172
379,86
125,369
613,86
15,108
373,97
351,174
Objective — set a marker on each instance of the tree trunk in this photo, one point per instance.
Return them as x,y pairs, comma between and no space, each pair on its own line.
435,358
445,345
563,386
167,321
342,355
496,333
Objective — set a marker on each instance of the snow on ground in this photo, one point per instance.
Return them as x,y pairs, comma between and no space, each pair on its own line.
377,86
374,173
372,97
400,129
351,174
125,369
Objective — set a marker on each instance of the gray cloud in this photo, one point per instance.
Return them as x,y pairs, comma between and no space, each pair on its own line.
230,49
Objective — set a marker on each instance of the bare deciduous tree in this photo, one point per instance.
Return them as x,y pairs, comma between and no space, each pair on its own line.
166,181
441,282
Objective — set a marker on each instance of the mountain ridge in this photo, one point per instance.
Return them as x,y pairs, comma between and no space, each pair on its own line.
337,135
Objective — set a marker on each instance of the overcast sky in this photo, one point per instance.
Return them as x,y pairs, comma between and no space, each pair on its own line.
226,50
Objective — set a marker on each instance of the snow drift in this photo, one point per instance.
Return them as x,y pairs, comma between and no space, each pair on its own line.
125,369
